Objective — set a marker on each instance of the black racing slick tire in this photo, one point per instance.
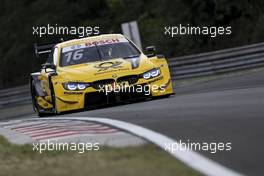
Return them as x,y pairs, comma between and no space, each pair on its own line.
34,100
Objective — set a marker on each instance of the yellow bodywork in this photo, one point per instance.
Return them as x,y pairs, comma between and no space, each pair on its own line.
66,100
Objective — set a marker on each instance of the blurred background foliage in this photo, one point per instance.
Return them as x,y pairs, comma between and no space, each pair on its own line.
18,17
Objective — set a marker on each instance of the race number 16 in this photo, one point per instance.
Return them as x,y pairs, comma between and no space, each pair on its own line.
74,55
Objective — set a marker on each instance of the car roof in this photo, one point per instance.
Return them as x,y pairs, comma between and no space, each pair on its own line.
90,39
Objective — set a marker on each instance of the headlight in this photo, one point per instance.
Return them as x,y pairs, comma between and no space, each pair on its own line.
151,74
146,75
75,86
81,86
71,86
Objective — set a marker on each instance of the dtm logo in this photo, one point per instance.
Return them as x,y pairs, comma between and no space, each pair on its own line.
106,65
76,47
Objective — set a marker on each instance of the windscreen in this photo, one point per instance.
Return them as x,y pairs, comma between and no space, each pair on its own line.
97,51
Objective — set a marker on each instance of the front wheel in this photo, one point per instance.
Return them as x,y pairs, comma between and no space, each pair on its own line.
36,107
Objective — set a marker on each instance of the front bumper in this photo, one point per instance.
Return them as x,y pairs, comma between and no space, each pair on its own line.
91,97
102,98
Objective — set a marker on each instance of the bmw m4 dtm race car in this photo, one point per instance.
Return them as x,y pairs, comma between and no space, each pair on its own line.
95,71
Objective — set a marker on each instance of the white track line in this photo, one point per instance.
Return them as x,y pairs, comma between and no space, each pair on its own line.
190,158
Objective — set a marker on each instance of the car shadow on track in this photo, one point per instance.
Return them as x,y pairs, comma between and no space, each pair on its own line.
134,101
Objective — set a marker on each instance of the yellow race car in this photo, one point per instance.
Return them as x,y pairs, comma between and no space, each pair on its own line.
96,71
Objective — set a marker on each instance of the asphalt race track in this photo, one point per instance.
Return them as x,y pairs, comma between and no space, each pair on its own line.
224,110
221,110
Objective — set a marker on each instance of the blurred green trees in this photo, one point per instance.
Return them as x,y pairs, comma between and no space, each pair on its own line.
18,17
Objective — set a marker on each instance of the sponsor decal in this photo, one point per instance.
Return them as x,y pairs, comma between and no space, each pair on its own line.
114,76
92,44
73,93
105,42
107,65
111,71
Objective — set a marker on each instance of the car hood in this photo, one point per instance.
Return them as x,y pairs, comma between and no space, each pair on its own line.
112,68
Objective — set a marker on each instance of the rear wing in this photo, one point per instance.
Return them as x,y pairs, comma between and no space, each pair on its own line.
43,50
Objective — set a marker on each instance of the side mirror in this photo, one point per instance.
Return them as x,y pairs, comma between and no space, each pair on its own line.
151,51
48,65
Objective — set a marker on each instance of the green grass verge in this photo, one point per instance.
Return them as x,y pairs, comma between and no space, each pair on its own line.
146,160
